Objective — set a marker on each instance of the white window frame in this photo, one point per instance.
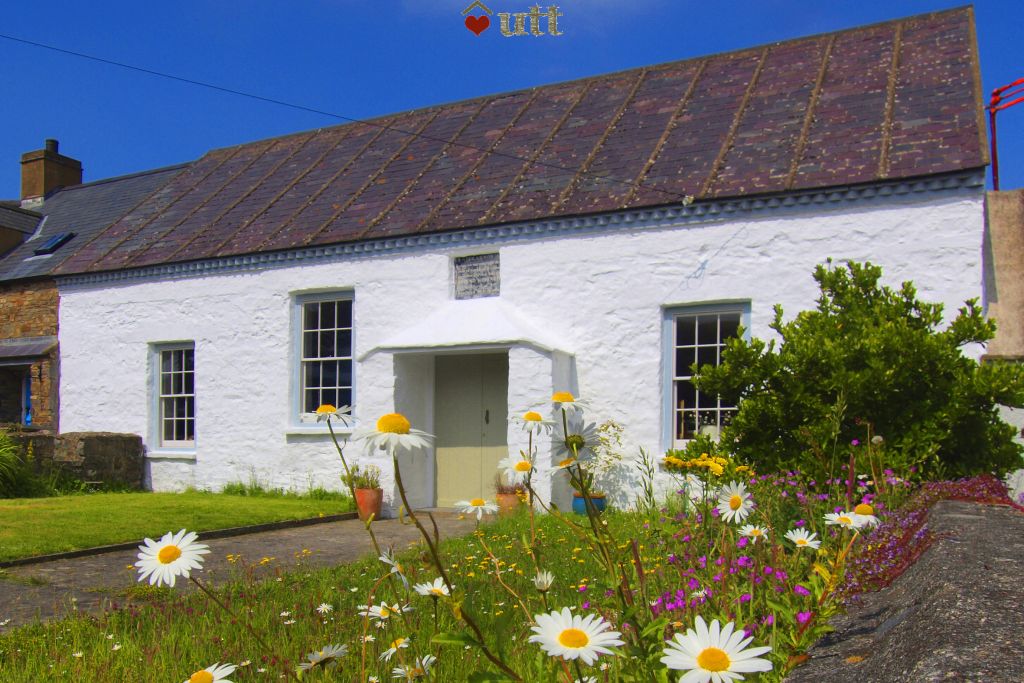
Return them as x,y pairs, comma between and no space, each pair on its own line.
673,376
160,395
300,416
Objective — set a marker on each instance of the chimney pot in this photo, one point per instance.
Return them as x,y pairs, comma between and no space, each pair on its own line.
45,170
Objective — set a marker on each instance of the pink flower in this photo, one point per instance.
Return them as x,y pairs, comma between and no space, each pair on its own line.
800,590
803,617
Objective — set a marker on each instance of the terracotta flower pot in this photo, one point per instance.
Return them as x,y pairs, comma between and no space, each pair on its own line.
507,503
368,501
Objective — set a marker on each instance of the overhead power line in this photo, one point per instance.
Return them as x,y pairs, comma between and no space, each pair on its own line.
341,117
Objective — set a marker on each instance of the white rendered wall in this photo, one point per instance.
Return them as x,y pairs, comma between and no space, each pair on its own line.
601,293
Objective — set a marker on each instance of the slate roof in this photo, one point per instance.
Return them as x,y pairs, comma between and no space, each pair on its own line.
16,218
893,100
86,210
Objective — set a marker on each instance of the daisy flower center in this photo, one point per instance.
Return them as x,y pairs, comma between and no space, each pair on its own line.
168,554
385,612
735,502
532,416
477,502
755,532
326,408
567,462
393,423
575,441
864,509
201,677
436,591
563,397
843,519
523,466
801,541
397,643
713,659
573,637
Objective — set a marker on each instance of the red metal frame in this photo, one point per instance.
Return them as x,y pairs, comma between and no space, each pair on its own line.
995,105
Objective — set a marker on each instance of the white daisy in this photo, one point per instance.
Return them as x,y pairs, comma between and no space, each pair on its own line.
517,469
803,538
477,505
383,611
574,439
572,405
391,433
435,589
532,421
562,634
418,669
715,654
543,581
396,645
848,520
217,672
867,513
325,608
396,566
326,412
734,502
586,679
753,532
326,657
173,556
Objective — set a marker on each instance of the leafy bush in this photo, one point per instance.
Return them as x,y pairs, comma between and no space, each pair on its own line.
10,463
869,359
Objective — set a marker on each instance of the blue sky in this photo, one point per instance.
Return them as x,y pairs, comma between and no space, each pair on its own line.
361,59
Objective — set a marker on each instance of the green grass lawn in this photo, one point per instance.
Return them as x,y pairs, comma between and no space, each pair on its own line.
38,526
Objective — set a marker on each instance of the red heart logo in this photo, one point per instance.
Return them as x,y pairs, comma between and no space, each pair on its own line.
477,24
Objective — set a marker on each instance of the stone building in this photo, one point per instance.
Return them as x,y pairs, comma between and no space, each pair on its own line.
460,263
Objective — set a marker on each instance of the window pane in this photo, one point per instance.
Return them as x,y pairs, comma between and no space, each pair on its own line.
189,359
344,314
686,395
344,373
310,317
309,345
707,329
190,383
344,347
165,361
707,355
165,384
329,374
190,429
689,424
312,401
684,359
730,325
312,374
326,345
179,430
327,310
686,330
344,397
168,430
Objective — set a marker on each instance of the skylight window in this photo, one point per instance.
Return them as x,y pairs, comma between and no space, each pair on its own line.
54,243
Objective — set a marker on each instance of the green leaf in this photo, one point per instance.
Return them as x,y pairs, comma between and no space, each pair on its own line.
455,638
488,677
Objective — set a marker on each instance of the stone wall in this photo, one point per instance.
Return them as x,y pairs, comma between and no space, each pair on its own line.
90,456
1004,272
29,309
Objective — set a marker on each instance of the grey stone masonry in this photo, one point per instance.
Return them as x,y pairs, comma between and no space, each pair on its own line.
477,276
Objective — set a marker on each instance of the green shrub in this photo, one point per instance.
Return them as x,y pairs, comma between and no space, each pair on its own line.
10,463
869,359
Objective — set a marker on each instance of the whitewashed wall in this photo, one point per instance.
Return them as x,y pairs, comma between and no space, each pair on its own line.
601,293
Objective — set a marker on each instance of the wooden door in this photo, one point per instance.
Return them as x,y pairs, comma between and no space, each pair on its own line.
470,421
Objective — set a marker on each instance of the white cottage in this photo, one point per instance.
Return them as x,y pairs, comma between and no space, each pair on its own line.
461,262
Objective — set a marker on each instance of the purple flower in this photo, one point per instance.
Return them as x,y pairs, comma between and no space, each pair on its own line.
800,590
768,620
693,584
742,543
745,597
803,617
585,605
855,442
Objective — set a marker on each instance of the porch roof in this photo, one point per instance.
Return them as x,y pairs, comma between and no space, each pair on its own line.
469,323
25,348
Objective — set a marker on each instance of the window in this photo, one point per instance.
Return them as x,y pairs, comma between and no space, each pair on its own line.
698,336
177,396
325,372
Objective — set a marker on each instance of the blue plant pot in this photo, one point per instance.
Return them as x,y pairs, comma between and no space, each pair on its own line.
579,505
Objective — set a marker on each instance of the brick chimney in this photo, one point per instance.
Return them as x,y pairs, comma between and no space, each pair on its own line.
45,170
